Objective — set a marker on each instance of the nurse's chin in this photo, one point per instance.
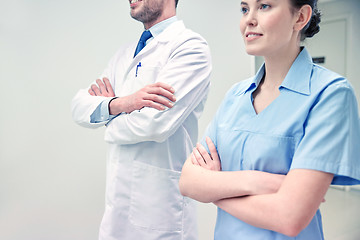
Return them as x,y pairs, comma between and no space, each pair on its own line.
253,52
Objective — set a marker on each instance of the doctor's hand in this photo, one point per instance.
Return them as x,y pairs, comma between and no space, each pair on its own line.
157,95
103,88
201,157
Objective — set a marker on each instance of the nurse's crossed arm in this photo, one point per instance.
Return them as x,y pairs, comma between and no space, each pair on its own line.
157,95
257,207
200,156
202,179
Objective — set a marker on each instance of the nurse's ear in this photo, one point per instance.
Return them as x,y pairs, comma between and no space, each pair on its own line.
303,17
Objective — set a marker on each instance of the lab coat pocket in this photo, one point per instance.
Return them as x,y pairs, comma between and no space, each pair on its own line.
156,202
145,75
136,79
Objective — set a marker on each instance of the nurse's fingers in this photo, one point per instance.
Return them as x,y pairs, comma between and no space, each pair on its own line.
204,153
211,164
214,154
199,158
193,159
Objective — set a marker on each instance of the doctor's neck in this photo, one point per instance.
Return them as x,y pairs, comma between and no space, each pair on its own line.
163,17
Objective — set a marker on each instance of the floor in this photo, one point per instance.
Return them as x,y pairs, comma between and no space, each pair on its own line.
341,214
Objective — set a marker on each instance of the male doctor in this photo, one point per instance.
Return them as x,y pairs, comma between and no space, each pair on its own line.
149,98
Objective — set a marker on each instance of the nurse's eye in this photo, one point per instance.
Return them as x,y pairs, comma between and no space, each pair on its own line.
264,6
244,10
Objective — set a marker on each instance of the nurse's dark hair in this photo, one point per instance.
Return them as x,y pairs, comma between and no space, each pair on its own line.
312,27
176,2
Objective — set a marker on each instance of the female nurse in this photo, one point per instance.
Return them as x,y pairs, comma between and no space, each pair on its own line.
280,138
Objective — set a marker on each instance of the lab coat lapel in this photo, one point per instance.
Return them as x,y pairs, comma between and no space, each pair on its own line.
144,52
167,35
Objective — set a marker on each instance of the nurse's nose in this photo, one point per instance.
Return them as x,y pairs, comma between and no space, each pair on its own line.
251,19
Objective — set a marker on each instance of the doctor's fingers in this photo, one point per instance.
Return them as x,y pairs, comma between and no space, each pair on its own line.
103,89
108,87
158,100
165,86
95,89
161,89
150,104
91,92
101,86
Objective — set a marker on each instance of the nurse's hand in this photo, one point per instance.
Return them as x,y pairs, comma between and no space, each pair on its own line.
201,157
157,95
103,88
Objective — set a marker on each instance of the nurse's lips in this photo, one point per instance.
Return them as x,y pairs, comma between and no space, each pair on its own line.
252,35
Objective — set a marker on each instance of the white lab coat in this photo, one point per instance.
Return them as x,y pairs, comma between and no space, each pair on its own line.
147,148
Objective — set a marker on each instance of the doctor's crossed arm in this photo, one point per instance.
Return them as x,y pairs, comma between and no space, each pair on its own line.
101,88
188,72
157,95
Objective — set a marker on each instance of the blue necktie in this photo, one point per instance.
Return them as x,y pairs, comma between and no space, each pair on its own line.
144,37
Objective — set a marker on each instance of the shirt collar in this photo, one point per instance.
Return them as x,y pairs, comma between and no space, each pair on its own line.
161,26
297,79
253,82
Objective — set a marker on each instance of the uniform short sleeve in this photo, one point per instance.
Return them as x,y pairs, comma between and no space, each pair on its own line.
212,128
331,140
210,132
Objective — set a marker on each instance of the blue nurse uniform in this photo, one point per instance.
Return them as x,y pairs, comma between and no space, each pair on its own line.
313,124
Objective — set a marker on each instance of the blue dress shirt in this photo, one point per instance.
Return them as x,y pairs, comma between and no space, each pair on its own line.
312,124
101,113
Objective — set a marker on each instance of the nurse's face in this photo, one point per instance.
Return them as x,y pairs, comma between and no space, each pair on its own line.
267,26
146,11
